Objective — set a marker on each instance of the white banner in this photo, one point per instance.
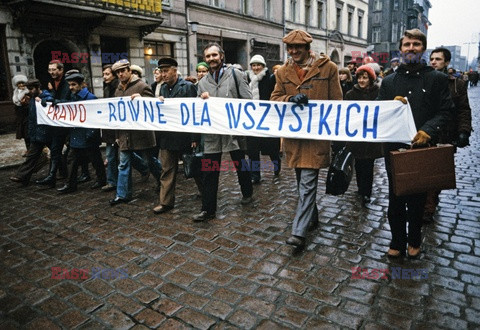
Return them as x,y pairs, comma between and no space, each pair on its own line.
370,121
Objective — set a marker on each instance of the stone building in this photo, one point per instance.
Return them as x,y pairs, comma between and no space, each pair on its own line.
387,21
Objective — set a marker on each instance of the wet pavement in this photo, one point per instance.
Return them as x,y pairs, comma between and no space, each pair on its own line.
164,271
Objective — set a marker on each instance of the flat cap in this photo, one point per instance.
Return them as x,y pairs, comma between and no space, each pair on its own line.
137,69
395,59
76,76
123,63
297,37
167,62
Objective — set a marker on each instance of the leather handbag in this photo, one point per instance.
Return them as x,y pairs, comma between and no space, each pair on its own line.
421,170
340,172
192,163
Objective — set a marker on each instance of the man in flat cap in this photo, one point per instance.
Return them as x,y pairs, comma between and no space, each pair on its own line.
129,141
306,76
172,144
84,142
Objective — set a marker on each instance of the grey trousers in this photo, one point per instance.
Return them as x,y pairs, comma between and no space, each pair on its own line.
307,211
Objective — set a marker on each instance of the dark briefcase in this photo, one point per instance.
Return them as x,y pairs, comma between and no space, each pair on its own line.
421,170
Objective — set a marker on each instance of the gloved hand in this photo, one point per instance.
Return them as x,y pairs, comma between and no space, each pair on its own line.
421,139
300,98
463,140
401,99
43,102
55,102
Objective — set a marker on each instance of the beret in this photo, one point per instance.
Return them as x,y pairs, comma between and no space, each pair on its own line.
123,63
369,70
167,62
297,37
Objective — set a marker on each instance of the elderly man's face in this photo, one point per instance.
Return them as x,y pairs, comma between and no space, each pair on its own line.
169,75
299,53
74,86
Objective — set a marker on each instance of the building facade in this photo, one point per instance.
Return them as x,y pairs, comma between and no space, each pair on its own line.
87,34
388,20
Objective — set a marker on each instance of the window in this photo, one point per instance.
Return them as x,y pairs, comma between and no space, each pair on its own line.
351,10
360,24
339,16
245,7
154,51
268,9
215,3
394,31
377,4
375,35
293,10
396,5
307,12
5,89
321,14
166,3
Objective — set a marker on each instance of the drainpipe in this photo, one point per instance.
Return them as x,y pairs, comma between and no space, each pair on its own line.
285,30
187,39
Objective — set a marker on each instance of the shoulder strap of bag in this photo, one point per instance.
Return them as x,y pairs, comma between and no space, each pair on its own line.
236,82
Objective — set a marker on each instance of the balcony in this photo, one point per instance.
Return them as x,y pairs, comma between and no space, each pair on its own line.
86,14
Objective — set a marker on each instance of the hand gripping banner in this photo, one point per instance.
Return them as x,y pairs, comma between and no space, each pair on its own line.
368,121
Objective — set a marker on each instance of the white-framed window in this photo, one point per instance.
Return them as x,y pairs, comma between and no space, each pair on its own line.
351,10
321,10
339,9
394,31
308,9
245,7
376,35
268,9
360,23
215,3
377,4
293,10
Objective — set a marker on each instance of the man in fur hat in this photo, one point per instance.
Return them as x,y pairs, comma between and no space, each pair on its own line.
305,76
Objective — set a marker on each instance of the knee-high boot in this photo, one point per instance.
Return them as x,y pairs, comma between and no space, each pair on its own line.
51,178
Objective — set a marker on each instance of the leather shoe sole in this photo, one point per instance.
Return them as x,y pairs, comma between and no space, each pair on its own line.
118,200
392,253
162,209
296,241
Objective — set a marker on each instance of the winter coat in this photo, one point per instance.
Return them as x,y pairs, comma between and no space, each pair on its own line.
462,122
226,87
427,92
364,150
62,94
134,139
108,135
262,90
320,83
38,133
346,86
177,140
82,137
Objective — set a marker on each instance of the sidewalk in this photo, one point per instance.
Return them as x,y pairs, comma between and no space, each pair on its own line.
11,151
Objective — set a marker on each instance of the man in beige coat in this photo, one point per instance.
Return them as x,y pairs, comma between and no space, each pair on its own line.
306,76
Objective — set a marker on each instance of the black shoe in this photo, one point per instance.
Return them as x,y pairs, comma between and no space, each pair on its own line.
279,167
296,241
365,199
84,178
118,200
313,225
48,181
97,185
203,216
19,180
162,209
66,189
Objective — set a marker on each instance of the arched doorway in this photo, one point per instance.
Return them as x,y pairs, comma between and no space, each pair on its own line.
42,55
334,57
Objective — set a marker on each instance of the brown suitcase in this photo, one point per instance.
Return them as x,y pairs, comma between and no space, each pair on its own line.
421,170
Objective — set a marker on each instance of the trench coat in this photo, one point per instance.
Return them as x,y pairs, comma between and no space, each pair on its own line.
320,83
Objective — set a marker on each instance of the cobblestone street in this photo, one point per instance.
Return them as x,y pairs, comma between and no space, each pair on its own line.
235,271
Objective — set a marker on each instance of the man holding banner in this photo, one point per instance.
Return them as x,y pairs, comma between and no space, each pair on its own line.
432,106
222,81
306,76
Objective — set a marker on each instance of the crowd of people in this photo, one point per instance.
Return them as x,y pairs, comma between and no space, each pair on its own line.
437,95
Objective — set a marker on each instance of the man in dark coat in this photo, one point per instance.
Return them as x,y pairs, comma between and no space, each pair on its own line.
84,142
432,106
131,140
172,144
58,87
39,134
458,129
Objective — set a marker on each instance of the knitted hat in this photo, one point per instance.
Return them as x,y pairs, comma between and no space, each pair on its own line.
258,59
297,37
201,64
137,69
19,78
368,69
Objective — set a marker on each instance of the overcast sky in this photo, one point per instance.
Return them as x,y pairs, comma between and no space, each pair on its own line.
454,22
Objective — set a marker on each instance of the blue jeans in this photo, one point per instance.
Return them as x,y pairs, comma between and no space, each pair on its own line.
124,182
111,153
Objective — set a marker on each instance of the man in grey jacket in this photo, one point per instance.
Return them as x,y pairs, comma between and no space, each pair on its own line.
222,81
